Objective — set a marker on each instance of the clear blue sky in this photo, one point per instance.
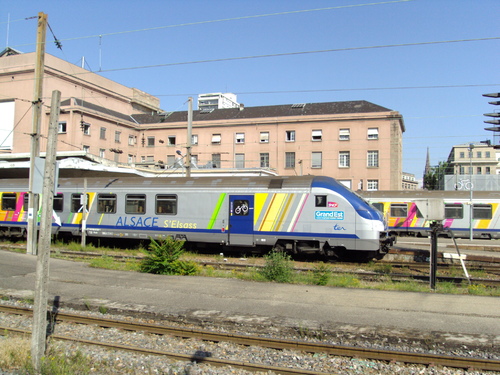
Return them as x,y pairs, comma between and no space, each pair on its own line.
167,48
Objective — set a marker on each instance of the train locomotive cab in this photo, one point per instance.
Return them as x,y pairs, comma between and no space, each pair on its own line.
337,224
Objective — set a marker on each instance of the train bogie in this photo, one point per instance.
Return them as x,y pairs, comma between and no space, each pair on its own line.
301,215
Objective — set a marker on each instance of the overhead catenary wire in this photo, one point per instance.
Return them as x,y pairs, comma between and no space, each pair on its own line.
224,19
302,53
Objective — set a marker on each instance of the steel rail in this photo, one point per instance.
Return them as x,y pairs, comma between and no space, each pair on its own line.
178,356
337,350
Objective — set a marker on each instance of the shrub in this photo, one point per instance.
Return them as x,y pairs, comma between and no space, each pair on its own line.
162,258
321,274
278,267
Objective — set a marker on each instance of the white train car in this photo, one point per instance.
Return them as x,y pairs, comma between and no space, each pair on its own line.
300,215
404,218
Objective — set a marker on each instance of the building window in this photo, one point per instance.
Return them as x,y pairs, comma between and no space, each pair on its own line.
344,134
130,159
171,140
372,185
135,204
487,154
117,136
103,133
479,154
151,141
239,160
106,203
216,139
194,139
61,127
86,149
372,159
240,138
264,160
317,135
102,153
316,159
462,155
289,159
216,162
344,159
488,170
85,128
131,140
462,170
372,133
264,137
479,170
290,135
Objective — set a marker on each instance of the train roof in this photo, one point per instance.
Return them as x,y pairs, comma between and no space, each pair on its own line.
199,183
405,195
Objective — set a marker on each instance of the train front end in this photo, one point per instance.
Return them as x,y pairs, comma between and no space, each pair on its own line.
361,221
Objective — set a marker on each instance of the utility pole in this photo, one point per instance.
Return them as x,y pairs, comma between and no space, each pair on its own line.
35,133
39,332
189,136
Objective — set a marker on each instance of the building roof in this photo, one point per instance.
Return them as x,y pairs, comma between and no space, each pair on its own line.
302,109
9,51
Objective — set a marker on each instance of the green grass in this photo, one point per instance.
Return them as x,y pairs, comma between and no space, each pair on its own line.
15,355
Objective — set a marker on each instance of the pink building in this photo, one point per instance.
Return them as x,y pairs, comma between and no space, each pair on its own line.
357,142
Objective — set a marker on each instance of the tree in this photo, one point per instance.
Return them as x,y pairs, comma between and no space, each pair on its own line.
434,178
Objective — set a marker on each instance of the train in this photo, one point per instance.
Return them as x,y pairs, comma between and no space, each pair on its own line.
465,214
296,214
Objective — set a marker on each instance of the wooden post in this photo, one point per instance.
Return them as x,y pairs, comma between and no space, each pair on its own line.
35,134
38,336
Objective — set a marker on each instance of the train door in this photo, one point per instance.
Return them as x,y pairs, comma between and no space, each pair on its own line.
241,219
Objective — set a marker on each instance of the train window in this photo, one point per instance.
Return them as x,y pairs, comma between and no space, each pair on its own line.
135,204
482,211
399,210
166,205
320,200
77,201
8,201
241,207
106,203
378,206
454,211
57,203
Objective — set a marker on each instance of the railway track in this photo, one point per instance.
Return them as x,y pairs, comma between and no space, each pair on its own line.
247,340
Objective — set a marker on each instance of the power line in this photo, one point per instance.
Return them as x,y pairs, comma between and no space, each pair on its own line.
227,19
301,53
346,89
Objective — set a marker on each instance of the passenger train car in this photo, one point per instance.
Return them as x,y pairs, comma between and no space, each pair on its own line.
404,218
304,214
